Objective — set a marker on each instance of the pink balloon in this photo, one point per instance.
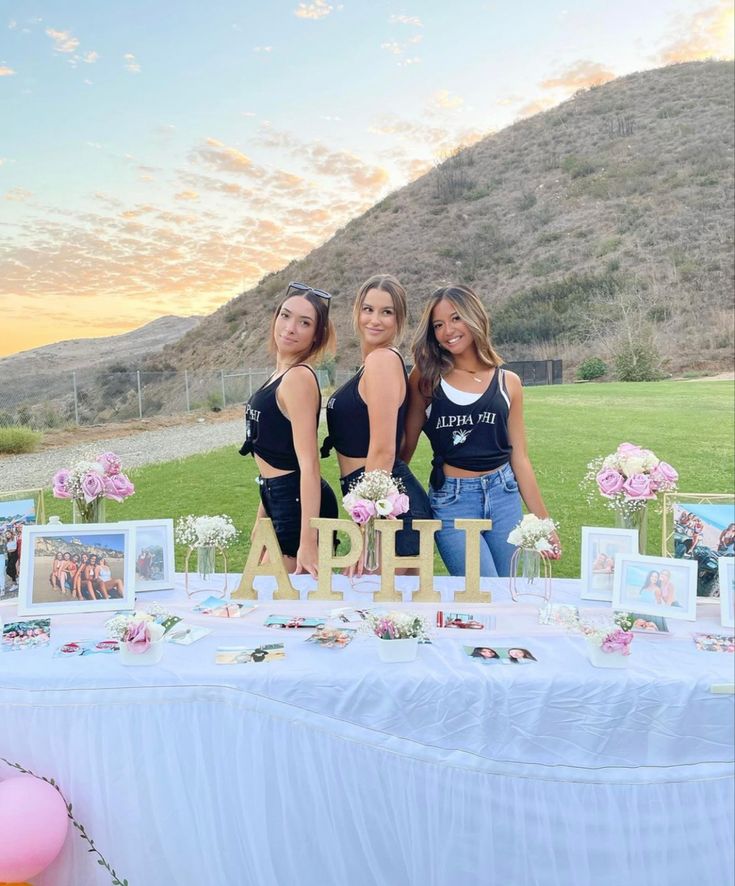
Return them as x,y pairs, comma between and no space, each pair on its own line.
33,826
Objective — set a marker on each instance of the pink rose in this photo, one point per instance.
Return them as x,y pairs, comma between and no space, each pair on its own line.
400,503
92,486
118,487
111,463
617,641
61,478
638,486
629,449
664,475
609,482
362,510
137,637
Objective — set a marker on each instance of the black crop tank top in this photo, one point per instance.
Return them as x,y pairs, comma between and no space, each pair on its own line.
348,422
472,437
268,433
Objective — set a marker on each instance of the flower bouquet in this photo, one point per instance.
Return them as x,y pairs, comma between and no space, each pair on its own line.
629,478
89,482
140,635
376,495
608,639
206,535
532,538
399,633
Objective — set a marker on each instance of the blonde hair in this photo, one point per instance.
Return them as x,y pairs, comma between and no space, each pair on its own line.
430,358
384,283
325,338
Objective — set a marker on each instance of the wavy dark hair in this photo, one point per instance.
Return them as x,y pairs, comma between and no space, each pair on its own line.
384,283
325,339
430,358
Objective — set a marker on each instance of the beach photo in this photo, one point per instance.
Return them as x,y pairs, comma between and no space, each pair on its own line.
655,586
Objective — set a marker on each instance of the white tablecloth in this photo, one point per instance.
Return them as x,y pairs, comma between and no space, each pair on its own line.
332,767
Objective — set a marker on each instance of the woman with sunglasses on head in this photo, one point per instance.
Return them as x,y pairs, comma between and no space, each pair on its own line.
366,416
472,412
281,421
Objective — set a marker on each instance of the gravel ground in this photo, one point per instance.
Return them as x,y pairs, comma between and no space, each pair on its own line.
147,447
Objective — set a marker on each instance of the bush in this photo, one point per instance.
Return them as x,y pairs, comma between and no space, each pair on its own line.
16,440
591,368
638,361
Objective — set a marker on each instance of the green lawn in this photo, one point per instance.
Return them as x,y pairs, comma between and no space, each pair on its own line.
688,424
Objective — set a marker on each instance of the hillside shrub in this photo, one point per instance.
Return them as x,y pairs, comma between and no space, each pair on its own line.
638,361
20,439
578,167
591,368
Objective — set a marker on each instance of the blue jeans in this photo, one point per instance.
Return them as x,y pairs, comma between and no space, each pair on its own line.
492,496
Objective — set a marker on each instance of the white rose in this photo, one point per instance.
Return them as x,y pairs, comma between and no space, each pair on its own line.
383,507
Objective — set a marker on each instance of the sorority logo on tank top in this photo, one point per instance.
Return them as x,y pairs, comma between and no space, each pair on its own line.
459,421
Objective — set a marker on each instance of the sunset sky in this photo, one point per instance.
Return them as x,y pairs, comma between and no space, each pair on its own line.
159,158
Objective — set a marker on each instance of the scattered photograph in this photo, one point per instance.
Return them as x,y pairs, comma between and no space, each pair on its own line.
26,633
332,637
714,642
222,608
86,647
649,624
502,655
655,586
599,547
459,620
726,568
185,634
229,655
84,568
703,530
294,621
22,508
154,554
556,613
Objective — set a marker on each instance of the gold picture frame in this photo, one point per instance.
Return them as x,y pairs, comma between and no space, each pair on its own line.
21,495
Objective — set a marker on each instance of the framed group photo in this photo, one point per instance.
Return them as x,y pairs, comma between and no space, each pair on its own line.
655,586
700,528
599,547
17,510
79,568
153,544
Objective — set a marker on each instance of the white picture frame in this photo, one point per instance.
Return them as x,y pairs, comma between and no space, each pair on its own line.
639,586
726,571
154,538
88,545
600,542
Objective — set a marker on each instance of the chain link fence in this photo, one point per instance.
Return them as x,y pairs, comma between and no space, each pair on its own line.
99,396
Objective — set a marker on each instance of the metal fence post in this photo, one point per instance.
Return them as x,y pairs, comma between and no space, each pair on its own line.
186,384
222,380
76,404
140,396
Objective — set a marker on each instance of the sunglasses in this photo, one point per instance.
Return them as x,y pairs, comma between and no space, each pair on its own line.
302,287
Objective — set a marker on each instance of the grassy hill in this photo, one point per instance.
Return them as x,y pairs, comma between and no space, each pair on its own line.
608,218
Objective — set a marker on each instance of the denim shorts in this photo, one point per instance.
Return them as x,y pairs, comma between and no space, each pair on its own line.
493,496
407,540
281,500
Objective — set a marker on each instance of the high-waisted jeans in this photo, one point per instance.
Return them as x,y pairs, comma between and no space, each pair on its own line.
281,500
492,496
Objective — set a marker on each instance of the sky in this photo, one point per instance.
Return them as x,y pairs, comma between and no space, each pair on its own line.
160,158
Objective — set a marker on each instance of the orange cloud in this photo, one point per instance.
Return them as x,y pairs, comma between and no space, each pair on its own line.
580,75
64,41
17,195
707,34
186,195
223,158
5,71
444,100
536,106
316,10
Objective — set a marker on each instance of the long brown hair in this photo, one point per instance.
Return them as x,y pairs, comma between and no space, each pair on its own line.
430,358
325,338
384,283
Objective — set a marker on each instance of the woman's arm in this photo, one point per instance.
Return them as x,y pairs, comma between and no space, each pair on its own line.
298,397
519,460
415,416
384,389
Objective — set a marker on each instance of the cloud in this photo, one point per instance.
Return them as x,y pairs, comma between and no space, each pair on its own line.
316,10
536,106
262,49
5,71
580,75
131,63
407,62
706,34
17,195
218,155
90,57
64,41
186,195
445,100
405,20
393,47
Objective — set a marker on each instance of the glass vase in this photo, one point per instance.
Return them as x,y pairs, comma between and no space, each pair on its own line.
205,561
88,512
530,575
634,518
370,547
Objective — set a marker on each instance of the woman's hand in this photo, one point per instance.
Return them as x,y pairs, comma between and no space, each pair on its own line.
555,552
307,559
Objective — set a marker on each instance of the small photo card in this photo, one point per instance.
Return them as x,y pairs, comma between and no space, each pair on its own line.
557,613
714,642
503,655
655,586
461,620
26,633
294,621
332,637
229,655
222,608
599,546
184,634
86,647
653,625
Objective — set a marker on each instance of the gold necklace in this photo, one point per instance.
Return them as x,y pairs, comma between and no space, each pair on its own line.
472,372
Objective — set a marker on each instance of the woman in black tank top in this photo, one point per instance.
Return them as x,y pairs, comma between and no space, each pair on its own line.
366,415
472,412
281,427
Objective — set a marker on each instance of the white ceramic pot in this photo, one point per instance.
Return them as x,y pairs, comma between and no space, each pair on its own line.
398,650
152,655
600,659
